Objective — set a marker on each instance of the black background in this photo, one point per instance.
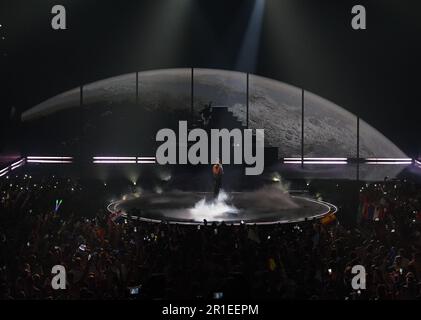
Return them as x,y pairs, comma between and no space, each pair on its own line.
310,44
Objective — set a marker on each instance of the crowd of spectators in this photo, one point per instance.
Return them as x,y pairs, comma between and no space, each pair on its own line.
44,222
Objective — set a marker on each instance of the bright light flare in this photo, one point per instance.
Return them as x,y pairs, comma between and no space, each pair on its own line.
49,161
316,162
114,161
388,159
316,159
48,158
213,210
390,162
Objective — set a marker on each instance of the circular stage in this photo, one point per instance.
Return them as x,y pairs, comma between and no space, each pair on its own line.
265,206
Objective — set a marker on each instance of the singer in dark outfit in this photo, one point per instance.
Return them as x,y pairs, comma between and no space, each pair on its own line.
217,172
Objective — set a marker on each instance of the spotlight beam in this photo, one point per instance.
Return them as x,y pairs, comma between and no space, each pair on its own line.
247,58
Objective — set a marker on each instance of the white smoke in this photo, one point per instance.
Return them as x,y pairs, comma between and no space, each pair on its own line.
267,198
261,201
280,182
213,210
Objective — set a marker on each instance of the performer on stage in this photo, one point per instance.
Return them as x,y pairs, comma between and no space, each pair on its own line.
217,172
206,114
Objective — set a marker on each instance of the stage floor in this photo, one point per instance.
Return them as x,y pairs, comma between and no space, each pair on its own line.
264,206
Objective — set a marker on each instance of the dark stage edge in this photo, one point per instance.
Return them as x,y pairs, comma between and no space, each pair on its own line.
176,208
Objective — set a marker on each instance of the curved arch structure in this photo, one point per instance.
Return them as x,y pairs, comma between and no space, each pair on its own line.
330,130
